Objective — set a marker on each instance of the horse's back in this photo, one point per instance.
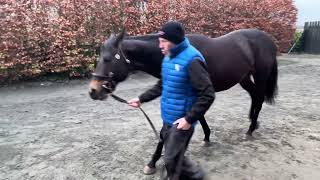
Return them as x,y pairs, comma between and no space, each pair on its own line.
233,56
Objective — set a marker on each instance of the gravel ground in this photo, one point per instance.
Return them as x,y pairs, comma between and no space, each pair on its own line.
55,131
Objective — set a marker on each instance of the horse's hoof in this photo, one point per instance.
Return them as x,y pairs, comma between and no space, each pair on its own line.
149,170
206,143
249,138
249,133
206,140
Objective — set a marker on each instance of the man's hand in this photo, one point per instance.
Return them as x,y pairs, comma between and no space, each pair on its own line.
182,124
135,102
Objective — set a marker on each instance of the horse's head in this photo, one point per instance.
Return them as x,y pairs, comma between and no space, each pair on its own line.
112,68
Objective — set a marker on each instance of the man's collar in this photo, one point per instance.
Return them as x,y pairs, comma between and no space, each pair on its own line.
179,48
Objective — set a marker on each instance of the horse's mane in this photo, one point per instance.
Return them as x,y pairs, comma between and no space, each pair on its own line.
143,37
155,36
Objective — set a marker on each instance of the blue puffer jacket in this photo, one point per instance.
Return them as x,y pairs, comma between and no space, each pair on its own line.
178,96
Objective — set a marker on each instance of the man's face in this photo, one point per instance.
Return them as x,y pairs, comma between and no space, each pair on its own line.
165,46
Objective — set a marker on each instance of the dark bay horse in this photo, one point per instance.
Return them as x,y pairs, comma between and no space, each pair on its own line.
231,59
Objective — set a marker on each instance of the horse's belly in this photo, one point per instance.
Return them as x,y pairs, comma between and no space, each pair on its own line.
225,75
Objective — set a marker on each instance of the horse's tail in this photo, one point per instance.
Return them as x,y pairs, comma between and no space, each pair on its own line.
272,84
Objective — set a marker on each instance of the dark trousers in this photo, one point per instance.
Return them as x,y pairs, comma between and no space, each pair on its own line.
178,166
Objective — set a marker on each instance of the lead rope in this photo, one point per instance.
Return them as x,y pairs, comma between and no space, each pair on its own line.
163,174
143,112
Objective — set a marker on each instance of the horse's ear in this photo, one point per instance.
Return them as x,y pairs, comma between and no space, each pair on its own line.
109,39
120,36
111,36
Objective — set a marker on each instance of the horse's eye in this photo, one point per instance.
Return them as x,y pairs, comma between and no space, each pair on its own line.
117,56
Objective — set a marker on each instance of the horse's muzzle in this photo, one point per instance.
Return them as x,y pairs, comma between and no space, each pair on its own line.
97,96
99,90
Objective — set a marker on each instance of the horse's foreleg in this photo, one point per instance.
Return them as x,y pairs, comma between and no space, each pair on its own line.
156,155
206,129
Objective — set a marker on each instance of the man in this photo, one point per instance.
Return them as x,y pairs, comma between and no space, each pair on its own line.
186,94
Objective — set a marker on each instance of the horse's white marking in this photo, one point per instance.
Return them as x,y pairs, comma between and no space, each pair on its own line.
128,61
111,74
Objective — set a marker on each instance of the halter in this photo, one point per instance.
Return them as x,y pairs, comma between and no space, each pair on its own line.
108,81
110,75
127,60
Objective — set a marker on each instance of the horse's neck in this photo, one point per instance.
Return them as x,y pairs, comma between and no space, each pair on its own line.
144,55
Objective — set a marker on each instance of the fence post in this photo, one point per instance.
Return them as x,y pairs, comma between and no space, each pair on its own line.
312,37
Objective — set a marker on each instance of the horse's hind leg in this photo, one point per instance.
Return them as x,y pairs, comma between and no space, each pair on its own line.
257,98
257,102
206,129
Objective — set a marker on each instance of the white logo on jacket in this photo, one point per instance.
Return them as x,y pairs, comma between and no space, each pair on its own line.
177,67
